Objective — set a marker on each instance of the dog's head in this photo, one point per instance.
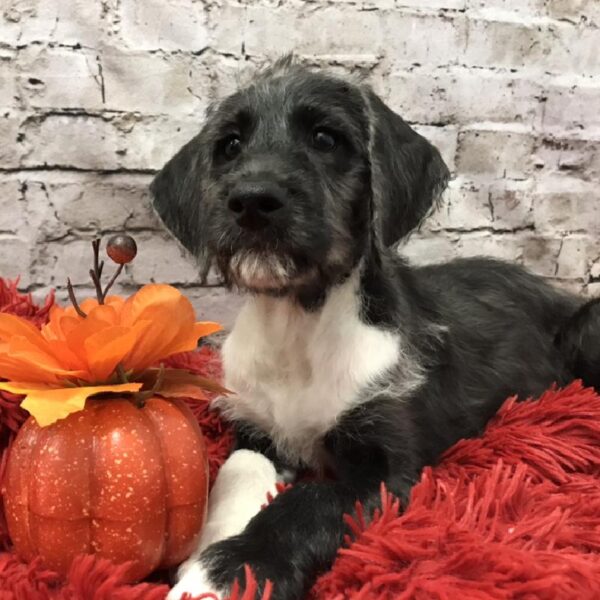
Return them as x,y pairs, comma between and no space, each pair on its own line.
292,179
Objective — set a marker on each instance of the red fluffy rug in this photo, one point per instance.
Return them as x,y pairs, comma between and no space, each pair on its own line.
512,514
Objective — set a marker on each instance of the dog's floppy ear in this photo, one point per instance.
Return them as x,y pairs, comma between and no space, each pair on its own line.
177,190
408,174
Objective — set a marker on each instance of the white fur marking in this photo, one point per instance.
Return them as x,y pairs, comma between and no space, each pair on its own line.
239,492
295,371
194,582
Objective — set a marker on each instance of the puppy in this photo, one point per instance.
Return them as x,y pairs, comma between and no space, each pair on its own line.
345,360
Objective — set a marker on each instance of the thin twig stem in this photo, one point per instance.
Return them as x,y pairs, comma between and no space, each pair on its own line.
74,300
110,283
96,272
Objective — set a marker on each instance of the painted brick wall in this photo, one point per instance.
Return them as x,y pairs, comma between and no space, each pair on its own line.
96,94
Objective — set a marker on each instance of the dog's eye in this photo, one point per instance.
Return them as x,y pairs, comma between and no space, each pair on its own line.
324,140
232,147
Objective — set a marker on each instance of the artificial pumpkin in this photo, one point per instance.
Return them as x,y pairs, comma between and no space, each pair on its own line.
124,482
109,462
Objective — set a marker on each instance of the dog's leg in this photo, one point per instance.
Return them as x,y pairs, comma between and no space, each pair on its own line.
297,536
289,542
238,494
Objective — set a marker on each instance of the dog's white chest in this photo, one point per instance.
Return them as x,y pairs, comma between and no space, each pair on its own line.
294,372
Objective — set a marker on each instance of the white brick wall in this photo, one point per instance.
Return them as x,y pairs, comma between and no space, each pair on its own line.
96,94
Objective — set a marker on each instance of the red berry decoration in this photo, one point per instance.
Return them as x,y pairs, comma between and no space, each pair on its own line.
121,249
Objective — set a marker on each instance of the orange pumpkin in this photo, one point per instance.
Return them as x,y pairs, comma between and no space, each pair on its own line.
123,482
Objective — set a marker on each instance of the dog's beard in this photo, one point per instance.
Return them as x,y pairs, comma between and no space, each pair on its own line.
260,271
264,272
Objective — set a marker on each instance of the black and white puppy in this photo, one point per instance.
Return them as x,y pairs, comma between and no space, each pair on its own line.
345,360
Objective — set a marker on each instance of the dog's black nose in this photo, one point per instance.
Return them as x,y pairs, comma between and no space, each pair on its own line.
254,203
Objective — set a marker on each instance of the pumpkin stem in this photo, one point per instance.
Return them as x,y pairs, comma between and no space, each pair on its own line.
122,376
74,299
140,400
141,397
160,377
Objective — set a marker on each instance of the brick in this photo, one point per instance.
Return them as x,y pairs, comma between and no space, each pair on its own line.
465,207
540,254
215,80
158,25
110,203
569,155
504,44
551,46
459,95
511,204
495,153
537,253
567,205
423,39
74,141
573,260
15,258
427,4
13,209
9,97
69,23
149,83
425,248
11,149
38,211
54,261
365,4
497,8
575,10
149,142
507,247
42,223
572,106
164,260
314,33
59,78
229,28
573,49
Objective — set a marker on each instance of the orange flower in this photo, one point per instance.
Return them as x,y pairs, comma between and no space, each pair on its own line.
73,357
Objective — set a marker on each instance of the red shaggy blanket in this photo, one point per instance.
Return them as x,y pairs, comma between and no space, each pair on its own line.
512,514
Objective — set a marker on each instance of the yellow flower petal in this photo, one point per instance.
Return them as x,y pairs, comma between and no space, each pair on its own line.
49,404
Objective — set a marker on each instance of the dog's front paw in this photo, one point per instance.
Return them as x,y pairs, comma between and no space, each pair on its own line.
193,580
232,560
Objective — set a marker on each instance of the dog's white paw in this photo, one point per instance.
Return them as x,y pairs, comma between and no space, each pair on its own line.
193,580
